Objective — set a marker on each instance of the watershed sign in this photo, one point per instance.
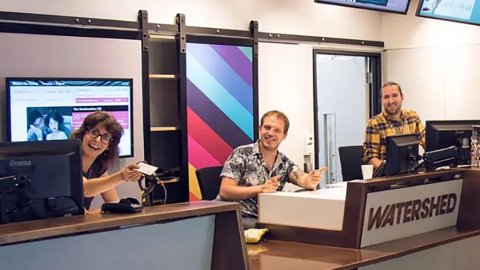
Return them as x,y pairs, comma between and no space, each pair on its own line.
404,212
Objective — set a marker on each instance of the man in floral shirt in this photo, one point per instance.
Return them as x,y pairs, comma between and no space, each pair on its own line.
259,167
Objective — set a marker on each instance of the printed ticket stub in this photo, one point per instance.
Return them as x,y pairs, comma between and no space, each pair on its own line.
146,168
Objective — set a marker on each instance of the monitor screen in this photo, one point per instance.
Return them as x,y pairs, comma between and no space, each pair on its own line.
51,108
402,154
465,11
395,6
40,180
441,134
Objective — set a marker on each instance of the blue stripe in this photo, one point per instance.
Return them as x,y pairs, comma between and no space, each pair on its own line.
222,72
220,96
247,51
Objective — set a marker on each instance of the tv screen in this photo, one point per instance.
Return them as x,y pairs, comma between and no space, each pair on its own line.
395,6
51,108
40,180
465,11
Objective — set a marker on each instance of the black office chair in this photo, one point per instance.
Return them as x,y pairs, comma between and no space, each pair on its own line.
351,162
209,181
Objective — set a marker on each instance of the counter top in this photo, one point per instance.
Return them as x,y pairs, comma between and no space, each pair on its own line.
278,255
38,229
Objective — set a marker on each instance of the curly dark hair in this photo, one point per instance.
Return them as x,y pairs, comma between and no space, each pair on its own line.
102,118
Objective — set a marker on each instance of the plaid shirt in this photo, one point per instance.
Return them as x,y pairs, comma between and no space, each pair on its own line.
246,166
379,127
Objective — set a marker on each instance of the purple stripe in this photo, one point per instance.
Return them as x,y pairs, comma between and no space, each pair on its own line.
236,60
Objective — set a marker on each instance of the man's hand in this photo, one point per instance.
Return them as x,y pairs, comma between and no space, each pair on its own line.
271,185
313,178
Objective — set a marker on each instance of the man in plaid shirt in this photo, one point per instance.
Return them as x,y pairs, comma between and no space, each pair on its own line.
391,121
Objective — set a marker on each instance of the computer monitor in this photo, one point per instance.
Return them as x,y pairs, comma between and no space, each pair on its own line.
441,134
40,180
402,154
439,158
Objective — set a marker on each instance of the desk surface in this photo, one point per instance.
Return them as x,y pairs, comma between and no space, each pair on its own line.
278,255
39,229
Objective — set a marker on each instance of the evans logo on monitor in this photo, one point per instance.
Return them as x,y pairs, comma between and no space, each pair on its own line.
20,163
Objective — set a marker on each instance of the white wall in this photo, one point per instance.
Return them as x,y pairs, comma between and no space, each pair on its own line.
77,57
436,62
284,16
285,71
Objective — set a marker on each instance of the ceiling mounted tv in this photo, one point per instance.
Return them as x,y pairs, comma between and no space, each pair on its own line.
464,11
51,108
395,6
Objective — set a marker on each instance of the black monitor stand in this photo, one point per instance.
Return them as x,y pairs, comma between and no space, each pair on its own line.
380,170
7,184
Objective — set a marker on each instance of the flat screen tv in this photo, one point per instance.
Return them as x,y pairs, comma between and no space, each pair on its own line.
51,108
464,11
395,6
40,180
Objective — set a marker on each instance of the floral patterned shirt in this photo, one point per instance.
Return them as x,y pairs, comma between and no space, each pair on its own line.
245,165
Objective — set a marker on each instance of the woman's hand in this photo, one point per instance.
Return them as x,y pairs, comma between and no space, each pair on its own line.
130,173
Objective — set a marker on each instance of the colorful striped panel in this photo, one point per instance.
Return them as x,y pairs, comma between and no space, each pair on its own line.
219,104
231,79
219,95
214,117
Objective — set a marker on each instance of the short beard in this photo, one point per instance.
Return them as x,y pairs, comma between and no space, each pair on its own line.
389,113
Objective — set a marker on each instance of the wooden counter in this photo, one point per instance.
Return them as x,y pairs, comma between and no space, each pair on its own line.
279,255
159,235
457,247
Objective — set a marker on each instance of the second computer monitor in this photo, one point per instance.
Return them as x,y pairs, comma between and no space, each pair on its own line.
445,133
402,154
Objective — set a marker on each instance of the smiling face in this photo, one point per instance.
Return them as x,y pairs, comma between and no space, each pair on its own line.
272,132
92,146
392,100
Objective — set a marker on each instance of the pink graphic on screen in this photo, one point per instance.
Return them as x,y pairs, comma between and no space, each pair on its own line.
102,100
120,116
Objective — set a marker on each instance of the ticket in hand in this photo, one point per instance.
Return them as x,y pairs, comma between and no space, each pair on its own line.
146,169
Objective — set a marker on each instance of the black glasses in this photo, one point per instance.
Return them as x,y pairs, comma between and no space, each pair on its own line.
104,138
